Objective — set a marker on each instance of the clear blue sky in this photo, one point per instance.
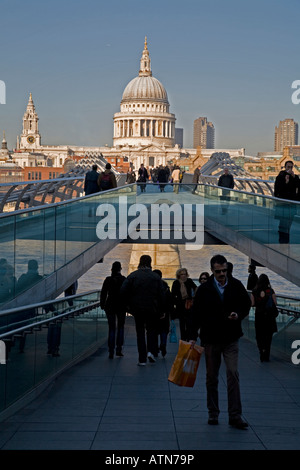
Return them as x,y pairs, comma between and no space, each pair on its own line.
232,61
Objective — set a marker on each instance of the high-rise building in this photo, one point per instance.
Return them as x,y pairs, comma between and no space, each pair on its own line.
179,136
286,134
204,133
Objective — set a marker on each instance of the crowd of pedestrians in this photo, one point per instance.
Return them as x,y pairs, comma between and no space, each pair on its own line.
161,175
211,310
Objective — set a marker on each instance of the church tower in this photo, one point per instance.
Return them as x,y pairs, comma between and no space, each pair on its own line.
30,138
4,153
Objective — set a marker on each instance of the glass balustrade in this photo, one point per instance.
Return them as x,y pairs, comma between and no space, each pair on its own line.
48,337
56,234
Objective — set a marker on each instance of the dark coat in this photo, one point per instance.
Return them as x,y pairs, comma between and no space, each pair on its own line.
252,281
130,177
112,178
164,322
226,181
264,324
110,300
143,175
290,190
90,182
196,175
179,303
210,313
142,293
162,175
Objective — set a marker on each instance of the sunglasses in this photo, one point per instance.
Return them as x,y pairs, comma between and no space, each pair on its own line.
203,278
218,271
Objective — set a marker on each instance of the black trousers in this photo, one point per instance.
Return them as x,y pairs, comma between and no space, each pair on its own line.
146,325
116,322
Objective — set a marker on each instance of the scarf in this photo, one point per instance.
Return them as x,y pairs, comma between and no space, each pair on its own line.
183,291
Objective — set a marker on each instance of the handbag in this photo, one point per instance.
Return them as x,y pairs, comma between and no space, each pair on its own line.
271,309
173,335
185,366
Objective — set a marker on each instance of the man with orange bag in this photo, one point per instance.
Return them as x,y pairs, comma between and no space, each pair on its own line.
220,304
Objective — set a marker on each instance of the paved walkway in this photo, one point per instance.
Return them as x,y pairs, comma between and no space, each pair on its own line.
115,405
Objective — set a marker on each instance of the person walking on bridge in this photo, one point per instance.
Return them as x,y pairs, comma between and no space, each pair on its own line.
115,311
91,181
287,186
143,294
220,305
226,180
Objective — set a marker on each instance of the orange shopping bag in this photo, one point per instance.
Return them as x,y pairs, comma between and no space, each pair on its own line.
185,365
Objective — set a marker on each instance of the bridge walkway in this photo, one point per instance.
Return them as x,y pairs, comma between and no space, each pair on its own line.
115,405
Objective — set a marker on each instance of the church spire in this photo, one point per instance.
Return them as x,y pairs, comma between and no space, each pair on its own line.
145,65
30,137
4,143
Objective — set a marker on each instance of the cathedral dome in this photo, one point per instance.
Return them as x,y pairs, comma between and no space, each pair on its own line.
144,118
145,88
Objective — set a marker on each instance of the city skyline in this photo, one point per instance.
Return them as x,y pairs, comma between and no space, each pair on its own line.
233,63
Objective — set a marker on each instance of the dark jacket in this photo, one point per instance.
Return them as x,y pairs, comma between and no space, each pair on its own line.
142,293
130,177
290,190
164,323
90,182
226,181
112,180
143,175
196,175
252,281
179,303
210,313
110,300
162,175
263,322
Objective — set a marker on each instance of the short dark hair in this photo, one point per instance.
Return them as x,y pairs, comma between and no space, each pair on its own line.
95,167
116,267
217,259
108,166
33,264
229,267
289,161
145,261
158,271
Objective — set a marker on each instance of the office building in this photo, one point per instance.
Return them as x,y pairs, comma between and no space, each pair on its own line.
286,133
204,133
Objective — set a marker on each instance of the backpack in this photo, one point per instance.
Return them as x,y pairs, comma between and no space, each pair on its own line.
105,182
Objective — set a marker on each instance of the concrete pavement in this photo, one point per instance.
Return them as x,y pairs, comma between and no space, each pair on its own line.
115,405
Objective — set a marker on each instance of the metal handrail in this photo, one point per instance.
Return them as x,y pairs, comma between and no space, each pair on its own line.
55,318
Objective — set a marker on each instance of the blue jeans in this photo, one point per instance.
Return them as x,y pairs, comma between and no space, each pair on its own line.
213,356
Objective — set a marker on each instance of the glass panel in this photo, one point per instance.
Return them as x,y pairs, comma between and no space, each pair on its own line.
29,249
7,259
42,350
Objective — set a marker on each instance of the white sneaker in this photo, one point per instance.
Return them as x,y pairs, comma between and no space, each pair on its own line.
141,363
151,358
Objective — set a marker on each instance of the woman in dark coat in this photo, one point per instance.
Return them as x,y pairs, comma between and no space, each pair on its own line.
183,291
265,323
143,177
131,176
